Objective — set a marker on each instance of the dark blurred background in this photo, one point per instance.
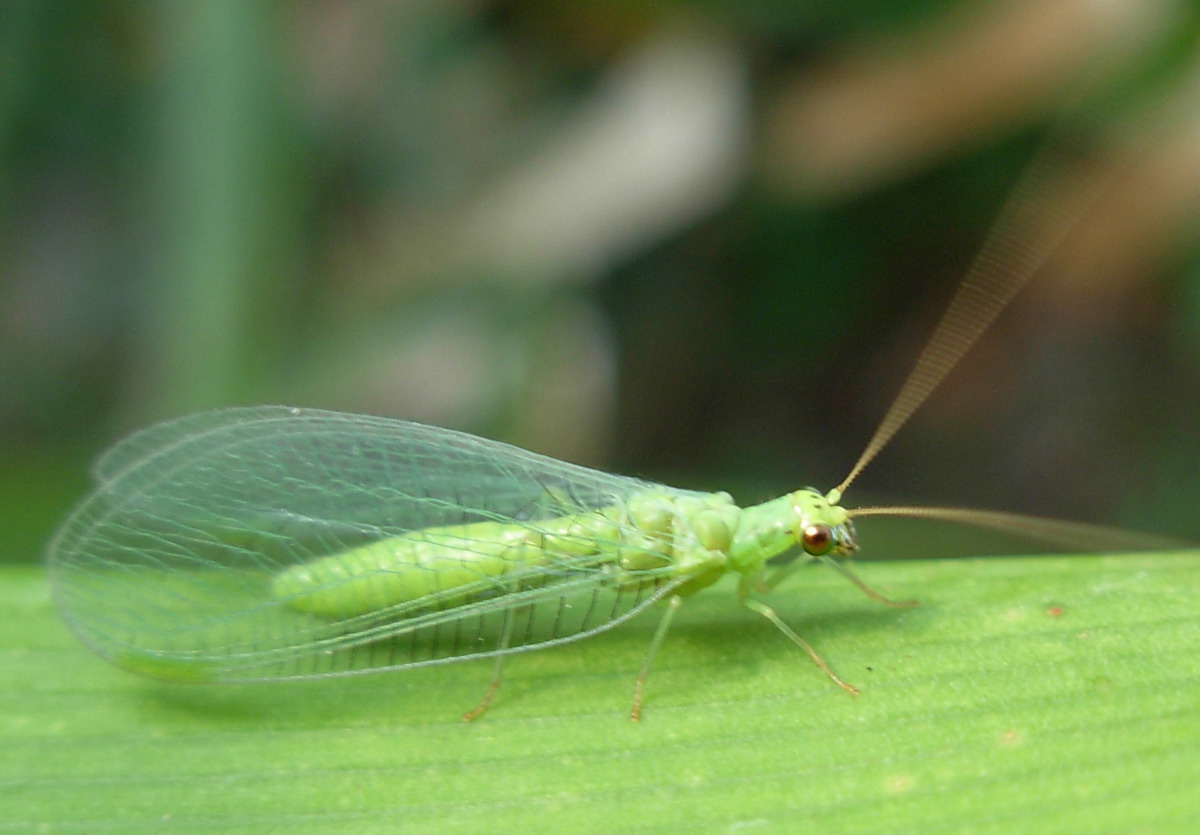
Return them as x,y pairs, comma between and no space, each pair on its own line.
699,241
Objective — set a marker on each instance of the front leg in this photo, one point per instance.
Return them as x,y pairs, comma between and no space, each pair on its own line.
746,583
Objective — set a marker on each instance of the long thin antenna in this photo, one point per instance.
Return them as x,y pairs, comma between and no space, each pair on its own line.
1026,233
1073,535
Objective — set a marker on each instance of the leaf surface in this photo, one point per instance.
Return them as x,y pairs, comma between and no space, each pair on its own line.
1048,694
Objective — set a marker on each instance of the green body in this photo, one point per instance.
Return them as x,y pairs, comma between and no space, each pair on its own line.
698,538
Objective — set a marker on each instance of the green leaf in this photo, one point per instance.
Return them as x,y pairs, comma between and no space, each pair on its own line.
1025,695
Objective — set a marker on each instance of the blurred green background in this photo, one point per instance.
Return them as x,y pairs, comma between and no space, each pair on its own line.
699,241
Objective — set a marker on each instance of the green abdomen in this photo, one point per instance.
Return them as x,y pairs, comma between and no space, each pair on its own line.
432,563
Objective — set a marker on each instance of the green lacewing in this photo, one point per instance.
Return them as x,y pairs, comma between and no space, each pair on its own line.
273,542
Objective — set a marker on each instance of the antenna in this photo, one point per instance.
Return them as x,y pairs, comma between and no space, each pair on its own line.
1074,535
1027,231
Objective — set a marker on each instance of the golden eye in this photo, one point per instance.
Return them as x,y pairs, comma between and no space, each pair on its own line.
817,540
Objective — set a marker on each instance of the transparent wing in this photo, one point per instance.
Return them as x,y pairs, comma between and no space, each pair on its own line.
167,567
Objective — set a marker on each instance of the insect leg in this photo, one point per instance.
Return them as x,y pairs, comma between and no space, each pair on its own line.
863,587
673,604
767,612
505,636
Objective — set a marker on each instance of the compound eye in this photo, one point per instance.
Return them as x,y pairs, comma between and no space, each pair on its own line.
817,540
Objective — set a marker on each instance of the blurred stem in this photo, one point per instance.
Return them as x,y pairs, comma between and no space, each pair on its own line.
209,333
19,30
